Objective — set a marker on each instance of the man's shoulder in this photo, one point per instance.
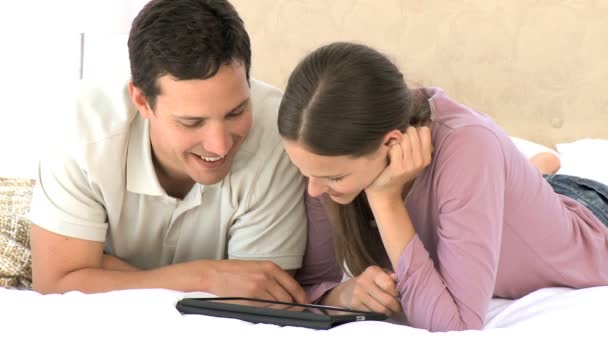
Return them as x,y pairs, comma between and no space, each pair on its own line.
264,135
99,110
262,148
265,101
95,125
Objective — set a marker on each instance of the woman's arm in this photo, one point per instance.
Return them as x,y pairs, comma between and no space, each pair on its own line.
454,295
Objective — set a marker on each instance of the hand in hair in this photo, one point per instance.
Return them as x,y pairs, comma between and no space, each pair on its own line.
406,159
373,290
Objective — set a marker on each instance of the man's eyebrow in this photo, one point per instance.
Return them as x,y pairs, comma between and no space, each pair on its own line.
199,117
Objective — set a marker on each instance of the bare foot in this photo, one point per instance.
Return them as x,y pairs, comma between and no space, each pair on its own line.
546,162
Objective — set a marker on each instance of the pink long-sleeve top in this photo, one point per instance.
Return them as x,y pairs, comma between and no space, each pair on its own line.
487,225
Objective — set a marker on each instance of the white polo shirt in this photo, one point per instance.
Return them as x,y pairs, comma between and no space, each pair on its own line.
102,186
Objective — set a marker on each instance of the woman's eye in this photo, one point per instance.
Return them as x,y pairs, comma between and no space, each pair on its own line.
234,114
191,123
337,179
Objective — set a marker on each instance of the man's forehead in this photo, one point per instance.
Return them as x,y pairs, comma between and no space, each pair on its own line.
220,95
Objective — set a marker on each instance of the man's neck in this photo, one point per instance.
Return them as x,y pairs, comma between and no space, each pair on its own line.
175,186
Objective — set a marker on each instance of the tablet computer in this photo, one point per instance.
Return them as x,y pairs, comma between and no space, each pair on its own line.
274,312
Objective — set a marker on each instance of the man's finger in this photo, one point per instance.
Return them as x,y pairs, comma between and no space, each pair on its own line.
291,286
278,293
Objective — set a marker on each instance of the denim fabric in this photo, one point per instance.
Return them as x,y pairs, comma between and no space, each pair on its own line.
591,194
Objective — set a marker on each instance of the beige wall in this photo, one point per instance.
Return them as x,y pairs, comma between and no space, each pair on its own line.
538,67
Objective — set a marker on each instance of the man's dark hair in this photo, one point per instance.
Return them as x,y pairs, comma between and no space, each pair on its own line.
188,39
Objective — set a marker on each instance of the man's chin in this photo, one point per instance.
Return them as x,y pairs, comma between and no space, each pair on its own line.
207,175
210,177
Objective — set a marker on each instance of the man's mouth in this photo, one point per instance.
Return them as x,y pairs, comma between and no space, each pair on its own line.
212,159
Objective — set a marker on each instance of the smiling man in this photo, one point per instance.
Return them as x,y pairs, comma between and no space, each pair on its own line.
177,179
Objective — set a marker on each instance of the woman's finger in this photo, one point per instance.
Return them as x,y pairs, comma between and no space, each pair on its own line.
415,156
406,150
372,304
386,284
424,133
395,155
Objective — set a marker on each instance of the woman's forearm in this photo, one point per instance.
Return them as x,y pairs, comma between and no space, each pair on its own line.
394,223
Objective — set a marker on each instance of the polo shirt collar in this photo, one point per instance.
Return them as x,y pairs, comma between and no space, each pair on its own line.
141,175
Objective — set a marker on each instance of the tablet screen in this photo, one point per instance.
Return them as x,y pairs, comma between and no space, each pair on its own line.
261,303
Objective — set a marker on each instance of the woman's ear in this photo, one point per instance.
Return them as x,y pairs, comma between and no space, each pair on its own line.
140,101
392,136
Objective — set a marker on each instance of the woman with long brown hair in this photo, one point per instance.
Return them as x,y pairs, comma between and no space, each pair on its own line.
433,210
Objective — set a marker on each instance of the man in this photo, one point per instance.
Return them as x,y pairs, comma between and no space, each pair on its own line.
166,182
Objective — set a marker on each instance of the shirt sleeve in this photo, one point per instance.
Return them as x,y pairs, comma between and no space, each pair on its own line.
470,184
274,225
320,272
64,201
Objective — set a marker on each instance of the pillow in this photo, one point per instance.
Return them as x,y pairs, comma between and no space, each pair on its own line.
529,148
585,158
15,256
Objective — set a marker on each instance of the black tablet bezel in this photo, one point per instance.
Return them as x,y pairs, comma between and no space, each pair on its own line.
219,306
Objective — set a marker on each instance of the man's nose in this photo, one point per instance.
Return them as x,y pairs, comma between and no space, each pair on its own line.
217,139
316,187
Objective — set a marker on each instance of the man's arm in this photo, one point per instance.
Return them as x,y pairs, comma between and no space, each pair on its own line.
111,262
61,264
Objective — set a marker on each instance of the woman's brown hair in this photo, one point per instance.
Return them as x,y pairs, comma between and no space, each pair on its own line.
341,100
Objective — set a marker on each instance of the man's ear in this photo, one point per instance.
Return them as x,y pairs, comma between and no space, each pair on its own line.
392,136
140,101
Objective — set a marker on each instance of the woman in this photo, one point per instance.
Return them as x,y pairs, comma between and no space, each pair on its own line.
434,211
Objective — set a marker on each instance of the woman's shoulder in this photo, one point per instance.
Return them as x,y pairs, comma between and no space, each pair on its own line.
454,122
451,113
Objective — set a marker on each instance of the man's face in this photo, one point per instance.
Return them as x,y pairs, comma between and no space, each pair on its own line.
197,126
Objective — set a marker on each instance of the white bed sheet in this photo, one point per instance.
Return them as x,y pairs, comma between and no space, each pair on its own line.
139,315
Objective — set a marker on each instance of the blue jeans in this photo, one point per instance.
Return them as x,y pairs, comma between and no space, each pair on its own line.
591,194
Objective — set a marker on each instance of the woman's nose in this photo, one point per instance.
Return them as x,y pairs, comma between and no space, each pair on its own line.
315,187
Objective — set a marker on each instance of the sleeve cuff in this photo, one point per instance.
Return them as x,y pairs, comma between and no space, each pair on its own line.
413,257
316,292
290,262
74,230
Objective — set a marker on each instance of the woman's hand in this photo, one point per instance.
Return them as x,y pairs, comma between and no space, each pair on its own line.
406,159
373,290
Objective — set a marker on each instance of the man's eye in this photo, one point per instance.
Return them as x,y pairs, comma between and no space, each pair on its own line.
336,179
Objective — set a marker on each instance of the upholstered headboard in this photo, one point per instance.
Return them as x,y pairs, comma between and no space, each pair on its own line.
537,67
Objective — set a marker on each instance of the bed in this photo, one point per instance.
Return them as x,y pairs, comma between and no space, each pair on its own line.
541,81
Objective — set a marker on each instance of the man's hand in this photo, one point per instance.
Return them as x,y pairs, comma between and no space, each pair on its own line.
257,279
373,290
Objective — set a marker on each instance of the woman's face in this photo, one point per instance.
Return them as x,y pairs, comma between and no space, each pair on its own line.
341,177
